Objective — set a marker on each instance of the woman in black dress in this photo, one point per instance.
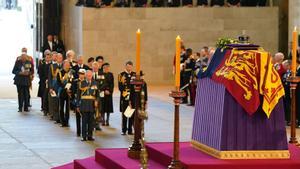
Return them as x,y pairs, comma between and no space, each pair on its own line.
108,93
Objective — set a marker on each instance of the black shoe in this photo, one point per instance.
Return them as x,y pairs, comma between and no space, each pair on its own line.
83,139
26,110
91,139
57,122
19,110
98,129
123,133
130,133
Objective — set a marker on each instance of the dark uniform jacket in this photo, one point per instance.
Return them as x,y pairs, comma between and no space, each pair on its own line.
43,71
87,95
124,80
54,69
133,95
77,68
64,78
20,66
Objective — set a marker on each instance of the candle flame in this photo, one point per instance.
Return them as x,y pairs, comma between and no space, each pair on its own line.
178,37
295,28
138,31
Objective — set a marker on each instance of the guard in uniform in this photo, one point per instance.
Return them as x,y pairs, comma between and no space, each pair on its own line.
55,68
186,73
87,104
22,70
144,92
75,86
64,80
97,75
108,89
124,85
43,71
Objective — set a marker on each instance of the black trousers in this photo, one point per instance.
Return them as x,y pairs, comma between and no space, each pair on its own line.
23,94
45,101
78,122
127,123
64,110
87,124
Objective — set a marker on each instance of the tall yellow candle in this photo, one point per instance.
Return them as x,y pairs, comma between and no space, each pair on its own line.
177,63
138,51
294,51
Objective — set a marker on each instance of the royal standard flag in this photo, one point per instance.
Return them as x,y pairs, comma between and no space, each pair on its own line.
270,84
247,74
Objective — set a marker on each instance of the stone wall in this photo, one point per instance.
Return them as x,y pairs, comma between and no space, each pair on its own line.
294,17
111,33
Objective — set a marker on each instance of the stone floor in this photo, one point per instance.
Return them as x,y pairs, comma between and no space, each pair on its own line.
32,141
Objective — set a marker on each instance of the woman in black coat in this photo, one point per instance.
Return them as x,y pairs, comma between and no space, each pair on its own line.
108,93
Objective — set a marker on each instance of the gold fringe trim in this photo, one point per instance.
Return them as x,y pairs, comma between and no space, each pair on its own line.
244,154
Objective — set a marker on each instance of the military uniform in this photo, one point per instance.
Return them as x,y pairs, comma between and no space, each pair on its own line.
75,86
86,97
298,98
133,95
64,80
23,70
43,71
124,80
100,78
54,69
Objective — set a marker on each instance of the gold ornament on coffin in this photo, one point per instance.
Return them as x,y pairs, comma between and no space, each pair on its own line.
242,154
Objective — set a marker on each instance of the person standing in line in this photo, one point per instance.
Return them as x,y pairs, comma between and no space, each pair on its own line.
22,70
124,85
108,89
87,104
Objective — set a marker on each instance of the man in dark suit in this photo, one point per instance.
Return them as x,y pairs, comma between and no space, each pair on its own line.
49,45
87,104
60,47
64,80
124,80
43,71
22,70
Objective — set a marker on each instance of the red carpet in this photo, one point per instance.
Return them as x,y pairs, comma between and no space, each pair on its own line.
160,157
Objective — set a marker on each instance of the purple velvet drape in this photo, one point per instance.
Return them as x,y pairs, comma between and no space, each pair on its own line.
220,122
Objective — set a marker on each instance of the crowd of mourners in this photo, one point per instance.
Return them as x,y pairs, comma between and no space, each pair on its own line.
168,3
68,84
283,67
